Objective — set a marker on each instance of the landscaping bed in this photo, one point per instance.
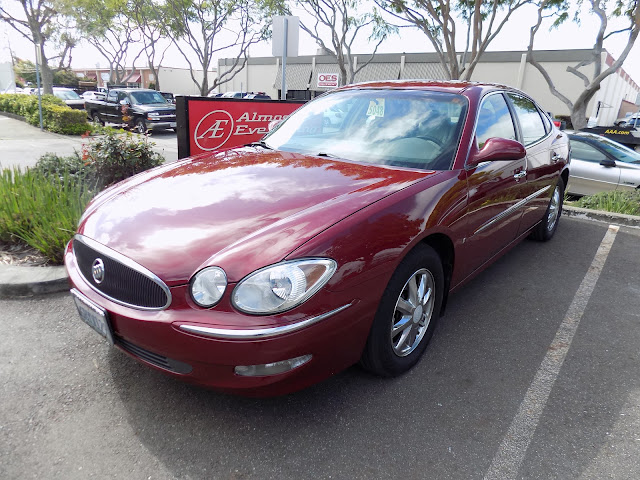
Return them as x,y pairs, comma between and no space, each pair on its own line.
40,207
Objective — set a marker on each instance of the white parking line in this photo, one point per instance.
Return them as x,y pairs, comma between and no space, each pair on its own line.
507,461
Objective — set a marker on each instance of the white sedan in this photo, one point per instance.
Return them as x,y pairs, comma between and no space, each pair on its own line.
599,164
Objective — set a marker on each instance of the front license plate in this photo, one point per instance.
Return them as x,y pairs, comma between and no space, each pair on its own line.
93,315
172,124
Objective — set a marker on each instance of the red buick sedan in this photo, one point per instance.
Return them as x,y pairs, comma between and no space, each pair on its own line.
267,268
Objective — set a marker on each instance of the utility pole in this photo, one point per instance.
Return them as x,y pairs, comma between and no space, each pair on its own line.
38,59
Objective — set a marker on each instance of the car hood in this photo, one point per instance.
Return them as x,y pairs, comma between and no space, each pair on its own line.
154,107
241,209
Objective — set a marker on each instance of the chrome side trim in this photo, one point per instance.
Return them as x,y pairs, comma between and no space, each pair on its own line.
258,333
512,209
118,257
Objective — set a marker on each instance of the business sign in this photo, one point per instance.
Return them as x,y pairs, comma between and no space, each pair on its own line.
328,80
210,124
277,39
626,136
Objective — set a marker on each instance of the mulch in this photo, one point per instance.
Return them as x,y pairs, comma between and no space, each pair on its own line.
18,254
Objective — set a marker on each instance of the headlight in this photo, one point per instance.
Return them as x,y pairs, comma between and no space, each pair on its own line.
153,114
283,286
208,285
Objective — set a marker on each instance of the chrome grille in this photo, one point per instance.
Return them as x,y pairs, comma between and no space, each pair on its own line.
153,358
125,282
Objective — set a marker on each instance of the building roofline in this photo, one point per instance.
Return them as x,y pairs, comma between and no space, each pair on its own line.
428,57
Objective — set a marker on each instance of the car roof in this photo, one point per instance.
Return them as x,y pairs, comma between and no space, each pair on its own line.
584,135
451,86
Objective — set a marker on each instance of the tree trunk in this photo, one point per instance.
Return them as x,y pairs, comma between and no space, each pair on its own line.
579,110
579,116
46,77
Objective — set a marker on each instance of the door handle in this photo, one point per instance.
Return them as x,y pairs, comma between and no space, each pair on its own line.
520,175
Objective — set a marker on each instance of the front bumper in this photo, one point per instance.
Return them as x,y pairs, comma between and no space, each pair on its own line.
161,122
203,346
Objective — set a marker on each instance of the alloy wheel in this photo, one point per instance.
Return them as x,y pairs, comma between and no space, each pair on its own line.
413,312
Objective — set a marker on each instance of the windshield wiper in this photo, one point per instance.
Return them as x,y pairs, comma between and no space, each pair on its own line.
328,155
261,143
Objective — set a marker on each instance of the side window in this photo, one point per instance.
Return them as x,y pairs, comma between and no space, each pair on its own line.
122,96
584,151
494,120
530,119
112,97
546,121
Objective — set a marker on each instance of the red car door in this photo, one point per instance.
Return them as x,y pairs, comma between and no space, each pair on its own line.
545,148
496,190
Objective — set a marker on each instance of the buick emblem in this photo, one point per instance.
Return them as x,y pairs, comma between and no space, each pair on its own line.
97,270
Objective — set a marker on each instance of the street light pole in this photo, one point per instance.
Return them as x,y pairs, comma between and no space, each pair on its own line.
38,58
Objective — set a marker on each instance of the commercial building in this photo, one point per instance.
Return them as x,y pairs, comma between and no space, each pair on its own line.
618,94
175,80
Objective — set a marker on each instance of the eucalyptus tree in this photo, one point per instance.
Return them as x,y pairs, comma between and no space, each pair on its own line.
109,26
149,18
41,23
203,30
337,24
447,25
627,11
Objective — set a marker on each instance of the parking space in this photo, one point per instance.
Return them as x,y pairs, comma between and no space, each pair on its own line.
73,408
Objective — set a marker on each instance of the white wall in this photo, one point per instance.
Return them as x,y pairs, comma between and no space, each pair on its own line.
179,82
256,78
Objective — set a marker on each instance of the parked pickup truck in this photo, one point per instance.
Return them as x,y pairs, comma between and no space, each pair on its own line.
138,108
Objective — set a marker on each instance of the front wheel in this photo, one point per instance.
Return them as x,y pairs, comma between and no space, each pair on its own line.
141,126
407,314
96,119
545,230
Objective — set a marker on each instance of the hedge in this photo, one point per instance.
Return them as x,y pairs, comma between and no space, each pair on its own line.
56,116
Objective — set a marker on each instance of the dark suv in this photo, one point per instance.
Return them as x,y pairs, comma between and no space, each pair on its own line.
140,109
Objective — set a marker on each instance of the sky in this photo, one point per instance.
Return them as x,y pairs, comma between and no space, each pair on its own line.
514,36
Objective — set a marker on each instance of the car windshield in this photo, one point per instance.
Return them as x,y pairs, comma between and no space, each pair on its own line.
406,128
147,98
67,95
620,152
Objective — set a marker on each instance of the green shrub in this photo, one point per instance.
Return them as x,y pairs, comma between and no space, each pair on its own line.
62,119
51,164
118,156
41,206
40,210
627,202
56,116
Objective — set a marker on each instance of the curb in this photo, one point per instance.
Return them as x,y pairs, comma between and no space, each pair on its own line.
599,215
20,282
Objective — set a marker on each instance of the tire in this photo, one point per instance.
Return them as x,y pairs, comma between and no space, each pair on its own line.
413,298
544,231
96,119
140,126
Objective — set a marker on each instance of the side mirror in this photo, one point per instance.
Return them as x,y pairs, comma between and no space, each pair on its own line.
497,149
124,102
607,162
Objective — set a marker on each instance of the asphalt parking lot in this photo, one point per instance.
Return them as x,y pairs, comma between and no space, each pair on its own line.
532,373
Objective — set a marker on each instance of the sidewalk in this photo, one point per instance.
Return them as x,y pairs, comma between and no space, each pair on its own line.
22,144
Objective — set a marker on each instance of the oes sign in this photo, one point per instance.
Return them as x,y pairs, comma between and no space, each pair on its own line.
328,80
